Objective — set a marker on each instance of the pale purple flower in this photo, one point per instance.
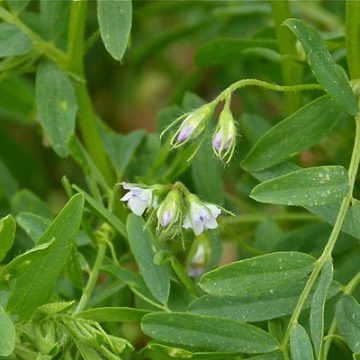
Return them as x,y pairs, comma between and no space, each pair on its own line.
201,217
138,199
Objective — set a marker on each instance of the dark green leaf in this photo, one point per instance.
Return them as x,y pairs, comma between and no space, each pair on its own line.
12,41
103,212
26,201
348,321
114,18
318,307
207,333
17,5
121,148
33,287
7,234
327,212
276,303
34,225
8,184
312,186
326,71
228,50
300,344
141,243
258,275
7,334
294,134
56,104
113,314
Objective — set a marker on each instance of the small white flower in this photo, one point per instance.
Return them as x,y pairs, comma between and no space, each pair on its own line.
201,216
138,199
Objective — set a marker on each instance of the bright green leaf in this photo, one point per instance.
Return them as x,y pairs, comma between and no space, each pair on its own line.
258,275
294,134
113,314
300,344
7,334
114,18
7,234
212,334
22,262
326,71
312,186
318,307
348,321
56,104
141,243
33,287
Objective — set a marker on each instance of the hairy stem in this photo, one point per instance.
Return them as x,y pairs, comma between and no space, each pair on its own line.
291,71
326,254
265,85
352,37
258,217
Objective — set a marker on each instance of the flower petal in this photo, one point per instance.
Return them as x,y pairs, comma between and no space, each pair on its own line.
198,227
215,211
137,205
127,196
210,223
187,223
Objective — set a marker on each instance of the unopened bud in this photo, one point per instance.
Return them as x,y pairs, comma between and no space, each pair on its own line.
224,139
169,209
192,126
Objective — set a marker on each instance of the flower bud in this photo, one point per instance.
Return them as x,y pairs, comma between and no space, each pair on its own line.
224,139
169,210
192,126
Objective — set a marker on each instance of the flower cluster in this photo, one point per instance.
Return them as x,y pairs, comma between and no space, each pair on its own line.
195,123
174,206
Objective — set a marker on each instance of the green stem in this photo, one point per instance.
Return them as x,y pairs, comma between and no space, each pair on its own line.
348,289
326,254
254,218
265,85
291,71
353,37
40,44
87,119
94,274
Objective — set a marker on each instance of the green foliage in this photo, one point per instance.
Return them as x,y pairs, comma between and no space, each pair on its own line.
231,231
